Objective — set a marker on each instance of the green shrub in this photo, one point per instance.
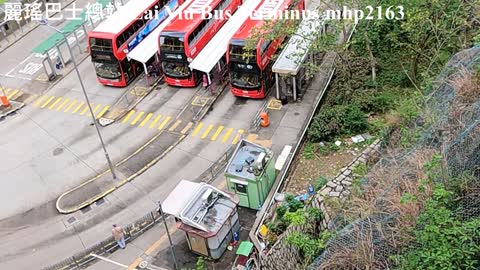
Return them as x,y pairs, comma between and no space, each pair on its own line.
335,121
296,218
320,182
354,120
309,246
408,109
281,210
308,150
442,241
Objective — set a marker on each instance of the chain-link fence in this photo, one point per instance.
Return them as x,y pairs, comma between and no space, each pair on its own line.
368,228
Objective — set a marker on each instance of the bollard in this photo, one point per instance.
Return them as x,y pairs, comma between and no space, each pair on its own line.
264,122
5,102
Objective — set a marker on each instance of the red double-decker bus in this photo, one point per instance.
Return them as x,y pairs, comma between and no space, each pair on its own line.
110,41
186,36
251,72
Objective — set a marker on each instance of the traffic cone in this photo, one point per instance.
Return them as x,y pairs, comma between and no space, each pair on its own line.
5,102
264,122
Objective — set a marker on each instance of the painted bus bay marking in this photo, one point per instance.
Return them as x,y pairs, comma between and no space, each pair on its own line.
197,129
227,135
146,119
205,133
155,121
217,132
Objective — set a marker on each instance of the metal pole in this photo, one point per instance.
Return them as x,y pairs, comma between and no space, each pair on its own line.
294,88
276,86
168,234
87,100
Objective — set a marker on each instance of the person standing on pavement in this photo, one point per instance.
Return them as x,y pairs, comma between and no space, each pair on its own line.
117,233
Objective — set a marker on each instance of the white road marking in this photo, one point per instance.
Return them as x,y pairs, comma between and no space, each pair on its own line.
31,68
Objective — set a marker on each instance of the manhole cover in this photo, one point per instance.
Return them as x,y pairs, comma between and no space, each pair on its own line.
57,151
143,265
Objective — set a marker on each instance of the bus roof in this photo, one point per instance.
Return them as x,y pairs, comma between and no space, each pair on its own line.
292,57
125,15
216,48
183,23
261,11
149,46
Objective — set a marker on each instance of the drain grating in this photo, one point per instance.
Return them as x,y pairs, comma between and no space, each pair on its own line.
71,220
86,209
100,202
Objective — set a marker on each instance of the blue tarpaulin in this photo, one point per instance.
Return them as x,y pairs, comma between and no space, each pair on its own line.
151,25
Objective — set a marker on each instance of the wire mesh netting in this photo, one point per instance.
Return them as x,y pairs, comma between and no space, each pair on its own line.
449,127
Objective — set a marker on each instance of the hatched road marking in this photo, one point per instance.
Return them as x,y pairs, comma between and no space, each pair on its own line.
205,133
155,121
214,132
164,123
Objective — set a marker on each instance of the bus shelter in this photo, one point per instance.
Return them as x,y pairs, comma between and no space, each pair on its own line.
207,215
146,52
56,40
213,54
291,78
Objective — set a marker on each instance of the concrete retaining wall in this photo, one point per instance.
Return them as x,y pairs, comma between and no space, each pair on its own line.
284,256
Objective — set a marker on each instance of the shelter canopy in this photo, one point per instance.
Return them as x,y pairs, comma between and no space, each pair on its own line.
178,199
216,48
292,57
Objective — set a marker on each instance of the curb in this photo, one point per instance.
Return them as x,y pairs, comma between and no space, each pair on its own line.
14,106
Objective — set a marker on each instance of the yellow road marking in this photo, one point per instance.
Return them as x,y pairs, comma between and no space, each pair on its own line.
96,108
174,126
217,132
186,128
11,95
85,109
128,116
146,119
227,135
237,137
197,129
102,112
153,248
205,133
55,103
7,91
42,98
164,122
63,104
78,107
46,102
155,121
137,118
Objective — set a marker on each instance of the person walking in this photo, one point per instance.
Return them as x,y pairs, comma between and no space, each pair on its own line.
117,233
